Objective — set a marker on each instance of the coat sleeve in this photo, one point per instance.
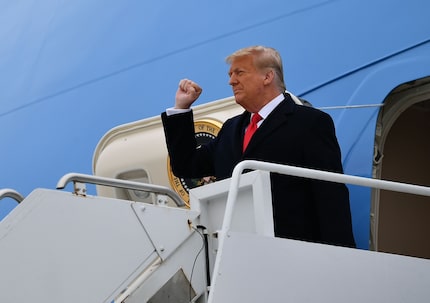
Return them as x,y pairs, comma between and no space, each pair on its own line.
331,199
186,159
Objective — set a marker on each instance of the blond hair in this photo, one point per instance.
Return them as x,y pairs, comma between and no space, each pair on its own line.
264,58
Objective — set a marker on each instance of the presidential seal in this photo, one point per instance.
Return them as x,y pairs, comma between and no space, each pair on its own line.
205,130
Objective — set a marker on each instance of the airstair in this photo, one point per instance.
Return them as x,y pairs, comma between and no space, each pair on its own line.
59,246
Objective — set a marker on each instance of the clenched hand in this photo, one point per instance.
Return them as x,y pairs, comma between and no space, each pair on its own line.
188,92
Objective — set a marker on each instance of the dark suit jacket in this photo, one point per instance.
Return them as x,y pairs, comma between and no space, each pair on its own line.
303,209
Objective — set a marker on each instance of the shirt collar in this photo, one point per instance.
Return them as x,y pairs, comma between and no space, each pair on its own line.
269,107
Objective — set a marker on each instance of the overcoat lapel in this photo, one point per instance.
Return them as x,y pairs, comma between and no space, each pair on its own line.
243,122
277,118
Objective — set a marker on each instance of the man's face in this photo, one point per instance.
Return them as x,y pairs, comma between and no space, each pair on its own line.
247,82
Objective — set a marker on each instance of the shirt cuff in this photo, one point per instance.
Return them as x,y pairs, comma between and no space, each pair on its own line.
173,111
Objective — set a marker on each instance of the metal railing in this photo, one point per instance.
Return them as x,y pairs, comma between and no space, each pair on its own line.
82,178
312,174
11,193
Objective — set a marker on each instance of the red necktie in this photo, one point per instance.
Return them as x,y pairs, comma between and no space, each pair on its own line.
250,130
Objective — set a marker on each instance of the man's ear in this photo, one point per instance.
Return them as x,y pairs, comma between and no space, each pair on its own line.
269,76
